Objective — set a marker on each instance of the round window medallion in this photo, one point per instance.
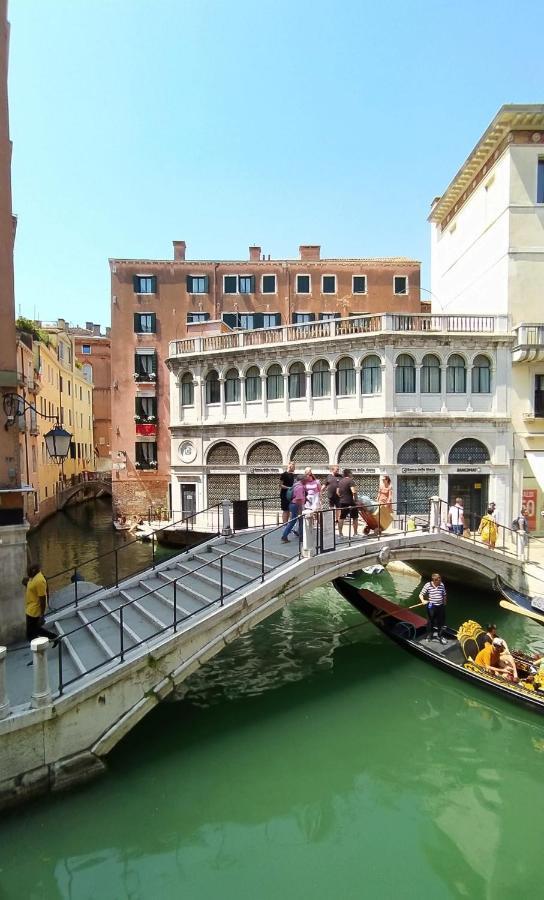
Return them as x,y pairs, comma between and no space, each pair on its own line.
187,452
535,137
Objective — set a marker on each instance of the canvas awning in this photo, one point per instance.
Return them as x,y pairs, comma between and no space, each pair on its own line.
536,461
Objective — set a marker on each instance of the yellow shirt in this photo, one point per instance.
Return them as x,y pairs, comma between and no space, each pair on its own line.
36,588
489,656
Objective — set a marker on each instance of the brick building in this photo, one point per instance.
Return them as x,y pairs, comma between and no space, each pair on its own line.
156,301
93,352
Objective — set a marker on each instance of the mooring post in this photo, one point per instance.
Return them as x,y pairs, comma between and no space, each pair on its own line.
41,695
308,542
226,529
4,701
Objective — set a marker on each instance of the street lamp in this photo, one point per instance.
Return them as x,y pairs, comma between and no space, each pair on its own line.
57,440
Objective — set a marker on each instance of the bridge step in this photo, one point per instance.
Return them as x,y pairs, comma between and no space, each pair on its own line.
136,627
163,594
88,653
255,548
184,592
205,587
94,630
229,584
248,569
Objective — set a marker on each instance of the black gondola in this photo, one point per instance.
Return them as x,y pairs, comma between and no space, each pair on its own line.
408,628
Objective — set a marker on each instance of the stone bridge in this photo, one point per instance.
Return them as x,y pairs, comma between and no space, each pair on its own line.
93,486
121,651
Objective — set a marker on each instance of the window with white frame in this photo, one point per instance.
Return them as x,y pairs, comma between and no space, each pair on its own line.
327,316
86,349
146,455
271,320
247,321
274,383
456,375
253,384
328,284
145,284
145,323
230,284
371,374
400,284
345,377
297,381
193,317
431,374
232,386
246,284
213,388
303,318
197,284
303,284
481,375
359,284
268,284
405,374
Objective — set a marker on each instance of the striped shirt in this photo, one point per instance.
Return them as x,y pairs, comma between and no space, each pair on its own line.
435,592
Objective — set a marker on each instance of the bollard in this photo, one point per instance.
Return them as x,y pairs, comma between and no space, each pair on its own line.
308,542
226,529
41,695
4,701
434,515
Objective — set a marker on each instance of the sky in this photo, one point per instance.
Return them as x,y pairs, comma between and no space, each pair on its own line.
281,122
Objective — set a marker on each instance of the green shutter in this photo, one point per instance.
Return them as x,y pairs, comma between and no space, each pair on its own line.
230,319
136,322
136,283
312,317
258,320
154,284
154,323
206,282
189,282
252,284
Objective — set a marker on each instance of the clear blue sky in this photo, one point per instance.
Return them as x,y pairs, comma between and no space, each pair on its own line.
136,122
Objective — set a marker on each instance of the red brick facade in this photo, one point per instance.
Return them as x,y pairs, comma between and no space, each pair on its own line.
163,295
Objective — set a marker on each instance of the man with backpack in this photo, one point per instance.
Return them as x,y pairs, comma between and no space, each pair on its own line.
297,498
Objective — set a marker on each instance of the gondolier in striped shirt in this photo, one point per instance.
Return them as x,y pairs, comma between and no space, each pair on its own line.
435,597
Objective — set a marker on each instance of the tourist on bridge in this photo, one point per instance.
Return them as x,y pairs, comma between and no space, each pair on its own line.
296,506
330,486
521,527
313,492
347,501
287,480
435,597
488,529
36,604
456,517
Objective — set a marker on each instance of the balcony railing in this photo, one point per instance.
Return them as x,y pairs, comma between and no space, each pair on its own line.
338,328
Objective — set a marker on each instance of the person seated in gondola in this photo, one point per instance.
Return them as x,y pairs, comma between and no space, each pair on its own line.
506,656
491,660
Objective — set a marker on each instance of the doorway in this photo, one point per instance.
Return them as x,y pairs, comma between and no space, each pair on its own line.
474,492
188,500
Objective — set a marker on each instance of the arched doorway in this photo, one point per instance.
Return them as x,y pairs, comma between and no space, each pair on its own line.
222,485
467,479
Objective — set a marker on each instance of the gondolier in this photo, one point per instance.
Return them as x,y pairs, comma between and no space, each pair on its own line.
435,597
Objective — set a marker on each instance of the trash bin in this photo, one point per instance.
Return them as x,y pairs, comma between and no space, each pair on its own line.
239,514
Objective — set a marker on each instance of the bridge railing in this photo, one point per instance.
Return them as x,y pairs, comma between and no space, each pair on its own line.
503,538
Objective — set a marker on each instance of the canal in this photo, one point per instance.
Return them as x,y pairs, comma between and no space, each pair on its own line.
312,758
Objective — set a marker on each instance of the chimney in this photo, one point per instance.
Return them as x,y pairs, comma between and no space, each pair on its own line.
254,253
310,251
89,326
108,330
179,249
96,330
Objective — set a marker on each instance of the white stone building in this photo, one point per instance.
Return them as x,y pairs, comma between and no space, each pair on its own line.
424,398
488,258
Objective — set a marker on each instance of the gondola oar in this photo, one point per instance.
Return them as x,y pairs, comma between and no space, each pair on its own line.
511,607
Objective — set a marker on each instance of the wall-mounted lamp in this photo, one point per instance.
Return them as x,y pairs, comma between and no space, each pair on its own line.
57,441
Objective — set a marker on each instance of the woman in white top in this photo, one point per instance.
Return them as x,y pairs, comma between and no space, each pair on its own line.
313,490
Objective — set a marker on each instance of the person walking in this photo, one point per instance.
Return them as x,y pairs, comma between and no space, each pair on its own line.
296,505
347,501
521,526
434,595
456,517
287,480
313,492
329,489
385,502
36,604
488,529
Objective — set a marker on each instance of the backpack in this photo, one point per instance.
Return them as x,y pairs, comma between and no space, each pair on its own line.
515,525
289,494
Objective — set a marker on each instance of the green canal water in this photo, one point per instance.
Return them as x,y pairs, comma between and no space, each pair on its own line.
310,759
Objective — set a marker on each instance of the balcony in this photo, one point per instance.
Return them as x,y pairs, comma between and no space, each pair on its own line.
145,377
380,323
529,343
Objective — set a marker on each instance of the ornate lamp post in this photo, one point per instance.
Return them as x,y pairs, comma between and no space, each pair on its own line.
57,440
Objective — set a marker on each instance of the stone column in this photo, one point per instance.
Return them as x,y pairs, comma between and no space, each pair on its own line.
222,397
41,695
286,393
434,519
243,394
4,701
358,394
308,534
418,388
444,401
309,398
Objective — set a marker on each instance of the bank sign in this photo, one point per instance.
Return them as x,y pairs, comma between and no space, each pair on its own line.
419,470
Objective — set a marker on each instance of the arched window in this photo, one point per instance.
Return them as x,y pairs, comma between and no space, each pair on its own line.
213,391
87,371
418,451
345,377
321,378
430,374
405,374
310,453
481,375
232,386
187,390
274,383
253,384
469,450
456,375
222,454
297,381
371,375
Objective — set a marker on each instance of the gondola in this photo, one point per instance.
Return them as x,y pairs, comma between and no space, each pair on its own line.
408,628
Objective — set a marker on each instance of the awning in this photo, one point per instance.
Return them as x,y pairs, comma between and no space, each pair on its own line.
536,461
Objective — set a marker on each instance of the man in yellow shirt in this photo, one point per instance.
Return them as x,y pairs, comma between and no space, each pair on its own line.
35,604
490,658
